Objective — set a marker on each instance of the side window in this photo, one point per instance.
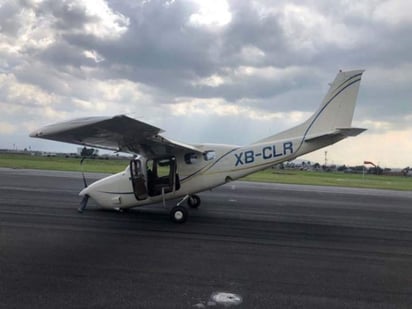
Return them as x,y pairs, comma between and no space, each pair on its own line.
209,155
135,168
160,168
191,158
162,176
163,167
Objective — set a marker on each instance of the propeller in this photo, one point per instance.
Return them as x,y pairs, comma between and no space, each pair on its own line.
83,203
84,178
85,199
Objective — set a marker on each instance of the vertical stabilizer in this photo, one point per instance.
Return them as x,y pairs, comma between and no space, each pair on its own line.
335,112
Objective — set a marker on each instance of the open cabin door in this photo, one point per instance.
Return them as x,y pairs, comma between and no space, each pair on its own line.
138,180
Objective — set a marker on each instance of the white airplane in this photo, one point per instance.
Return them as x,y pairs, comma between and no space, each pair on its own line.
166,169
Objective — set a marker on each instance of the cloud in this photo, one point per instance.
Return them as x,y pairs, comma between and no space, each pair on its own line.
386,149
221,108
394,13
7,128
211,14
85,18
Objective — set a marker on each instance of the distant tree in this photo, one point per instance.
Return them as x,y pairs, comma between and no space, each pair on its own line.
341,168
358,168
375,170
326,168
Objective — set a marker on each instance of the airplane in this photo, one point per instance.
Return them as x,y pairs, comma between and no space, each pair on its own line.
163,169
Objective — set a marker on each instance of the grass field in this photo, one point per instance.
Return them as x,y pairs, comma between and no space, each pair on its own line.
61,163
333,179
271,175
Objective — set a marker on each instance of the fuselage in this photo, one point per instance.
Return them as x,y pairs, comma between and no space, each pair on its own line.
195,172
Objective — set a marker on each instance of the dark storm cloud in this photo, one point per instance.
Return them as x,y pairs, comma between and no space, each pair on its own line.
10,25
159,47
304,42
170,53
162,50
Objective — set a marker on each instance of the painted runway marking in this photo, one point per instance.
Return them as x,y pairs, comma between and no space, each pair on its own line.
221,298
225,299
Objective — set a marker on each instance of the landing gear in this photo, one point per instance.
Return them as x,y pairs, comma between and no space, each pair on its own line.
193,201
178,214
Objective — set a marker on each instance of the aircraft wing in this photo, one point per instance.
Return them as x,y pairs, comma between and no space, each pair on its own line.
118,133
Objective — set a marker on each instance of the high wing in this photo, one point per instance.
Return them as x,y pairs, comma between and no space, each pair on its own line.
118,133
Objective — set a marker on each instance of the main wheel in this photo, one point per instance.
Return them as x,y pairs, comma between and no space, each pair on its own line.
178,214
193,201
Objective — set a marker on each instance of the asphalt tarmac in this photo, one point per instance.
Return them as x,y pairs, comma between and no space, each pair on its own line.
247,246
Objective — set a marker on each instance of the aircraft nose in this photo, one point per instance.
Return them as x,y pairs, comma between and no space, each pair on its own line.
84,192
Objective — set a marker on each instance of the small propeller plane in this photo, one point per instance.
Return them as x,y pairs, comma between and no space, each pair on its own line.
164,169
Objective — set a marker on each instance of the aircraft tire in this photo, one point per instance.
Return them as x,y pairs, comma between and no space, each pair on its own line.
179,214
193,201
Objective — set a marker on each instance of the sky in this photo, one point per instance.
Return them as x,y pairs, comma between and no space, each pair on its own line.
229,72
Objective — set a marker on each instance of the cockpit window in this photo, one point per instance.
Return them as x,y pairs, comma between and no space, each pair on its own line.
209,155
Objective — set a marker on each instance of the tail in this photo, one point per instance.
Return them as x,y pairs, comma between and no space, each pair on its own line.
334,116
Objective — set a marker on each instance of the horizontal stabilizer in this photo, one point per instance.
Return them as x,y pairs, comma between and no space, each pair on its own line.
351,131
338,133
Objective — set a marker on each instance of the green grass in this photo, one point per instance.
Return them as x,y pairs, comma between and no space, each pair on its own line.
61,163
333,179
23,161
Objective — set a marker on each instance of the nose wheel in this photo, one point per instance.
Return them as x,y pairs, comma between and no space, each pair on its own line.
178,214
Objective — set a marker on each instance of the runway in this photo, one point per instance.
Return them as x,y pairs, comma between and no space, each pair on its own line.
249,245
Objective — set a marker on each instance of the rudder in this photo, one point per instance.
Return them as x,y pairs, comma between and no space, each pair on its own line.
337,108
